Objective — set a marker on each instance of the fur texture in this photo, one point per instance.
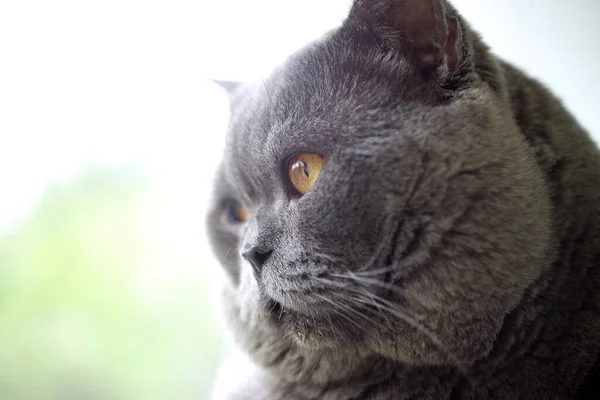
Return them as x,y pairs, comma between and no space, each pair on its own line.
450,247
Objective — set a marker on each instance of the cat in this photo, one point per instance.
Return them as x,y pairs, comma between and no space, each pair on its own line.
402,215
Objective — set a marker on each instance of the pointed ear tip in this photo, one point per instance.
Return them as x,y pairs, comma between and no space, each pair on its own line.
228,86
218,81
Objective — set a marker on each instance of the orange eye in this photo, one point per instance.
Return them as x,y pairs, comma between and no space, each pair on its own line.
236,212
303,171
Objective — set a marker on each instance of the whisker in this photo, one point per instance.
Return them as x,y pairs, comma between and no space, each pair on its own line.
328,258
379,271
364,298
368,298
272,308
350,310
266,89
227,253
301,365
330,282
260,113
367,281
313,368
392,308
374,257
338,311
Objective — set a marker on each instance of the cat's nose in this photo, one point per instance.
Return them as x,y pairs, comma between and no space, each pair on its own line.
257,259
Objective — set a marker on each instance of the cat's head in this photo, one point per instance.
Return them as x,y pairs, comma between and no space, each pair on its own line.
376,193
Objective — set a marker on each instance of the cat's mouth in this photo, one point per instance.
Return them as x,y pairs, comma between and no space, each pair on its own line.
274,308
301,328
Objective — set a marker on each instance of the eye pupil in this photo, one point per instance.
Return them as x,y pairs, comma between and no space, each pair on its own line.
305,167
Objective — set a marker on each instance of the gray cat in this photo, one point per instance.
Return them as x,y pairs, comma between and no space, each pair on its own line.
402,215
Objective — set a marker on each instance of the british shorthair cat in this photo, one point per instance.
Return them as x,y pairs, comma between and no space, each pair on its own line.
403,215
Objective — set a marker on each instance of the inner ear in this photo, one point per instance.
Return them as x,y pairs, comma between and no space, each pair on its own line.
422,30
452,46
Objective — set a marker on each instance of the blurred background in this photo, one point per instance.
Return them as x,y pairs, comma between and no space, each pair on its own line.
110,130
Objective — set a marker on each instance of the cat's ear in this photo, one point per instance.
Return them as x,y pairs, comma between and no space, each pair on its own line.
229,86
426,31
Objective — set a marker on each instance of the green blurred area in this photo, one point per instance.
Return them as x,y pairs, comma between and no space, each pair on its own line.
101,299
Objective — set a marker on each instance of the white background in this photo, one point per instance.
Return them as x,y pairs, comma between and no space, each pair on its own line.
125,81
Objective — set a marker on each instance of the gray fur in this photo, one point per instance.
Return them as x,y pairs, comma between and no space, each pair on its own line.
450,247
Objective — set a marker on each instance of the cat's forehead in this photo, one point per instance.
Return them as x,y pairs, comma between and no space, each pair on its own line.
331,82
331,94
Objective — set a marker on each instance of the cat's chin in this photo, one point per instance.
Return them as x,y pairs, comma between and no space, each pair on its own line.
311,330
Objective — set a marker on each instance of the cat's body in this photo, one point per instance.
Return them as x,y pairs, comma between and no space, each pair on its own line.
450,247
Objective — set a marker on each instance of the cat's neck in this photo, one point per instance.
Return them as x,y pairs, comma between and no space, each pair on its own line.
549,343
558,317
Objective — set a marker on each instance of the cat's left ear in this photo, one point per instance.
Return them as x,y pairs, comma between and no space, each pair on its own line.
229,86
428,32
